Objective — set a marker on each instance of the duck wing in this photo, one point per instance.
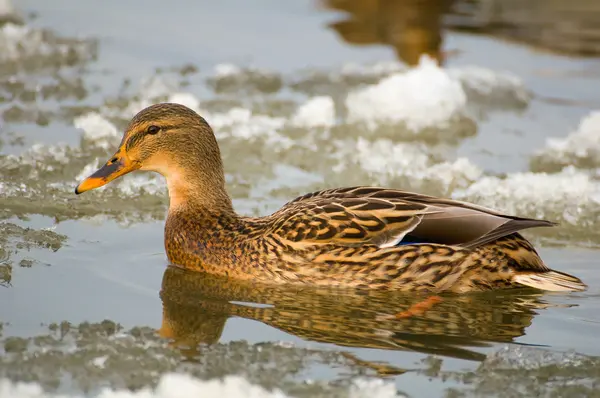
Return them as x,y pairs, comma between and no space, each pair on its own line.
361,215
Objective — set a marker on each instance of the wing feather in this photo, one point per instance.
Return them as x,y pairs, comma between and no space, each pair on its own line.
356,216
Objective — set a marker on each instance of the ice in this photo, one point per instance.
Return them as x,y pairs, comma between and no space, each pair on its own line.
171,385
8,12
383,68
88,170
572,195
97,129
157,86
135,184
317,111
386,159
530,358
177,385
500,89
186,99
17,41
430,97
284,176
225,70
580,148
100,361
373,388
242,123
232,78
424,97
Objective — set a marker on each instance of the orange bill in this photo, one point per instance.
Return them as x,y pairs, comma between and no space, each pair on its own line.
117,166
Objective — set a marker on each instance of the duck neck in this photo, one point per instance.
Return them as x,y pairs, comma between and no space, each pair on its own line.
198,191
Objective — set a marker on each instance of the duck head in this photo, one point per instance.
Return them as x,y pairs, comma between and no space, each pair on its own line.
174,141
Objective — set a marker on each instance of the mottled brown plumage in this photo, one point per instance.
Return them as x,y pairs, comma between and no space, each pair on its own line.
358,237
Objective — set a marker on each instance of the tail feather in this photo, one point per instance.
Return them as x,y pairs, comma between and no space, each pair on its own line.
553,281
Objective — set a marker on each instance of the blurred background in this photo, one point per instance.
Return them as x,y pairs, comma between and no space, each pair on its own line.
490,101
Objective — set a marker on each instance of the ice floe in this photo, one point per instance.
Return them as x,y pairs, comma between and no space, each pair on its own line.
580,148
317,111
384,160
242,123
171,385
572,195
177,385
229,78
21,42
429,97
98,129
423,97
486,87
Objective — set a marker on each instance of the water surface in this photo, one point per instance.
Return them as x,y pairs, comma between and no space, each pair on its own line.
85,281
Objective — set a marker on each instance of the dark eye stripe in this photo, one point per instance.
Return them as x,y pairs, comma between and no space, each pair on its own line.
135,138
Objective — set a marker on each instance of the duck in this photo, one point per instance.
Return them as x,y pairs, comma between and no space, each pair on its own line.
360,237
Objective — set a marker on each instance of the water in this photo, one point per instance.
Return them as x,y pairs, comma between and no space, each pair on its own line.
87,301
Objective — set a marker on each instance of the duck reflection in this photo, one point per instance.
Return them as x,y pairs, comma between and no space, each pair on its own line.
411,27
196,307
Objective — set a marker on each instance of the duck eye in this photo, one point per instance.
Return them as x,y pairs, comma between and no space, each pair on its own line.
153,129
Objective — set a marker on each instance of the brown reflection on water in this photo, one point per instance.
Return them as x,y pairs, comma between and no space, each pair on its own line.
415,27
411,27
196,307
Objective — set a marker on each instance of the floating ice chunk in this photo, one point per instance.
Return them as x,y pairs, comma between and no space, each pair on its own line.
157,86
39,153
8,13
451,175
20,41
571,195
100,362
88,170
284,176
242,123
183,386
424,97
232,78
17,40
40,157
530,358
135,184
385,159
580,148
383,68
21,390
12,189
98,129
317,111
152,90
186,99
373,388
179,385
502,89
171,385
225,70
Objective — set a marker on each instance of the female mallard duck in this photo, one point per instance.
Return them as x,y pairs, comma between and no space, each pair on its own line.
360,237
